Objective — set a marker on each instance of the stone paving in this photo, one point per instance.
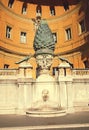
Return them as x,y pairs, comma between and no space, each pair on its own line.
77,121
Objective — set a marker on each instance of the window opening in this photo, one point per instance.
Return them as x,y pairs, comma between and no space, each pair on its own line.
86,64
23,37
6,66
55,37
24,8
81,26
66,5
10,3
52,10
38,10
68,33
8,32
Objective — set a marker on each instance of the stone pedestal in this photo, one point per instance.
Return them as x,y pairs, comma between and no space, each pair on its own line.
25,70
64,69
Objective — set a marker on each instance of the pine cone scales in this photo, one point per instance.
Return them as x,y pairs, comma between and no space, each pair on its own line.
44,38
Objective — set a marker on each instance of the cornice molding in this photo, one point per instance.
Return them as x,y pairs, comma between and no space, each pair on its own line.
82,42
12,52
78,49
13,14
66,15
81,38
56,18
15,45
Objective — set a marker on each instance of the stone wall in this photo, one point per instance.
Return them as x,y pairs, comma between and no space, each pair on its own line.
17,93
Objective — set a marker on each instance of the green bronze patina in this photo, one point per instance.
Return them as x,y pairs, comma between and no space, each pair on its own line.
44,41
44,46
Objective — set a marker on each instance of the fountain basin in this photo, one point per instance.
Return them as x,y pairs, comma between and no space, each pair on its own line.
46,113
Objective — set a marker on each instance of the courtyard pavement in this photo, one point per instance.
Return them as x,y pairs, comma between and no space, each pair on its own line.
75,121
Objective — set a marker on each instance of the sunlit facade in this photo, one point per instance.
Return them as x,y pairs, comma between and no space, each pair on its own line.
56,81
67,19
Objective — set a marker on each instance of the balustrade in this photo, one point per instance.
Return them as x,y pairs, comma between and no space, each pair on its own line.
80,72
8,72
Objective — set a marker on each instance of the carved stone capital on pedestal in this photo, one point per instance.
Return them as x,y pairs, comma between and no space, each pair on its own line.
44,61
